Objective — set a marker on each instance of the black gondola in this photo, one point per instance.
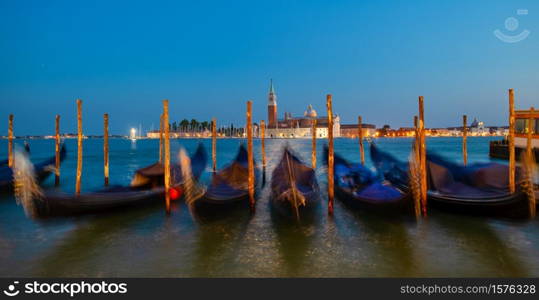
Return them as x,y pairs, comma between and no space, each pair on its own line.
360,188
228,187
294,188
153,175
478,189
5,161
147,189
42,170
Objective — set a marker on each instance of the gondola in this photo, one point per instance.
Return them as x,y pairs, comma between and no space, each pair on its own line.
42,170
477,189
360,188
145,190
153,175
294,188
5,161
228,188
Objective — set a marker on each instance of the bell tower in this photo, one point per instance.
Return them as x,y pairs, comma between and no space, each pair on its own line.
272,107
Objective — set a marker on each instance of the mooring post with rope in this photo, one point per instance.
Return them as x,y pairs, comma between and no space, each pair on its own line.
10,141
57,151
166,163
511,141
214,144
262,135
360,136
106,148
79,147
250,158
464,140
313,144
423,155
331,156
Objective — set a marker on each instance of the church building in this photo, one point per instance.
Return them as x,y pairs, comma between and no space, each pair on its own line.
297,127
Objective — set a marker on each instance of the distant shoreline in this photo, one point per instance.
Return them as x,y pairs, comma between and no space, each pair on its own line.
228,137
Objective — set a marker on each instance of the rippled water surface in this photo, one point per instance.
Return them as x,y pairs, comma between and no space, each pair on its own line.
145,242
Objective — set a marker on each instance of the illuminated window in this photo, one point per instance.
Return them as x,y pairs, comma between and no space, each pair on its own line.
520,126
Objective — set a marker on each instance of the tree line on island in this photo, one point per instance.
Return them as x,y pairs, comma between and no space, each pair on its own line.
195,126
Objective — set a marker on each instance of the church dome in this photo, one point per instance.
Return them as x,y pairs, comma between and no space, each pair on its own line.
310,112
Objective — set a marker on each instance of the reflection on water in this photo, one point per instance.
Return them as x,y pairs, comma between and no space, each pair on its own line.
145,242
294,240
217,243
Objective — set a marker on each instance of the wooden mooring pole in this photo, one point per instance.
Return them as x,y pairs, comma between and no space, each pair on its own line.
166,163
263,142
106,148
251,167
161,138
57,151
214,144
511,142
422,156
79,147
416,140
313,146
331,153
360,136
415,170
10,141
464,140
262,135
531,163
530,131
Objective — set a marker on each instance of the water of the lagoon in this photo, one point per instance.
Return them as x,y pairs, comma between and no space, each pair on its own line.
147,243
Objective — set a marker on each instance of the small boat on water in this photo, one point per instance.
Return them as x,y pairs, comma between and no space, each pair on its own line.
5,161
42,170
359,187
478,188
228,188
294,188
500,150
146,188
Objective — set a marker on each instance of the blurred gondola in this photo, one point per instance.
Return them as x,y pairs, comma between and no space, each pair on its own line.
479,188
294,188
146,188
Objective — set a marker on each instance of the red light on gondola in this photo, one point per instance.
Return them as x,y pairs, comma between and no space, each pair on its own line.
175,193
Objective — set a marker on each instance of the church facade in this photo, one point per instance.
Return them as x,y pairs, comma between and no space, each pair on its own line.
297,127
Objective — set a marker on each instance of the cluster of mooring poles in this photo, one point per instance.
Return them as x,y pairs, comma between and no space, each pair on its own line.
419,153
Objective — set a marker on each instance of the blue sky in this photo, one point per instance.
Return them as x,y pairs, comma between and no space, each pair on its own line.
209,57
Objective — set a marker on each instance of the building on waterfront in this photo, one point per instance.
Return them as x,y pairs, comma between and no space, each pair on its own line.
438,132
500,149
499,131
521,128
272,107
351,130
297,127
478,128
